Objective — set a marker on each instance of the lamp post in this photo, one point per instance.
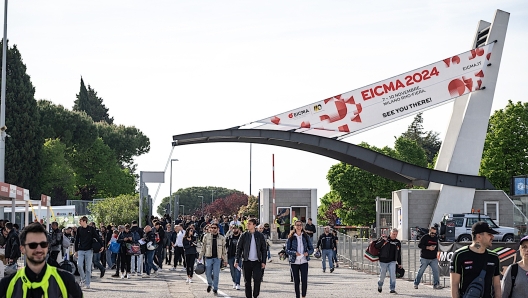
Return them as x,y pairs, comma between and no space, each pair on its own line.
183,213
170,195
202,204
212,191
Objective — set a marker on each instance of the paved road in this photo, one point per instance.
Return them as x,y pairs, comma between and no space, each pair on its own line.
344,282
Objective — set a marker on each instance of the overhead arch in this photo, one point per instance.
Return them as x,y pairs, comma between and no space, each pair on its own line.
358,156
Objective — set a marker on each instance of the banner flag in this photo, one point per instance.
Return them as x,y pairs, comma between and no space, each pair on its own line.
390,99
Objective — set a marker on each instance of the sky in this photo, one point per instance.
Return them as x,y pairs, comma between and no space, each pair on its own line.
175,67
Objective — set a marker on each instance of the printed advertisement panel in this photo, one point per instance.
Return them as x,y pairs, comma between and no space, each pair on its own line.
390,99
519,186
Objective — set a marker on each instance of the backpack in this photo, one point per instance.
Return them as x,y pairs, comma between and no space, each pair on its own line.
513,273
476,288
372,253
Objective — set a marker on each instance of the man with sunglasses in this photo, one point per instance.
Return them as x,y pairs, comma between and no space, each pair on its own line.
468,261
214,251
429,249
38,276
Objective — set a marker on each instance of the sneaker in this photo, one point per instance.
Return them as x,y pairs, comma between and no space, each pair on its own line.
81,284
324,270
145,276
156,273
173,269
238,287
270,260
183,269
215,292
234,285
209,289
331,270
128,275
115,275
438,287
393,292
190,280
122,275
87,286
337,265
186,280
416,286
379,289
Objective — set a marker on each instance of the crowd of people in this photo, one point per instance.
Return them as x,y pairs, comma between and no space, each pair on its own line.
242,244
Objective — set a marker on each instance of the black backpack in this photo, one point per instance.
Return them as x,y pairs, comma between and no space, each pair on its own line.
514,270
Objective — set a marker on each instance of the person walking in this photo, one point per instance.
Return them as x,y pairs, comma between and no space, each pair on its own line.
125,238
310,229
167,244
389,258
177,244
468,262
150,239
326,245
251,248
513,285
12,246
299,247
84,238
136,261
97,252
231,244
55,243
213,251
44,280
428,257
189,245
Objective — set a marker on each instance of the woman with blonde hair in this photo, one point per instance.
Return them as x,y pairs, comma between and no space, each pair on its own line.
299,248
514,285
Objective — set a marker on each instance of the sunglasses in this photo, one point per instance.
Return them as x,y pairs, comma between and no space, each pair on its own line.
213,228
298,225
34,245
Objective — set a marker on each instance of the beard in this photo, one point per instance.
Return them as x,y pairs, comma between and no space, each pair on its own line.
36,259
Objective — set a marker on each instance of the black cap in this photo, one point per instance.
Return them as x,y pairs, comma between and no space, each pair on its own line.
482,227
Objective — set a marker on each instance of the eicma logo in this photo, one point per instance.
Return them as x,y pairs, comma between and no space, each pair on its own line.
298,113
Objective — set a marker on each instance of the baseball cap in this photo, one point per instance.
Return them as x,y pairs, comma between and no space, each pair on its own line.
525,238
482,227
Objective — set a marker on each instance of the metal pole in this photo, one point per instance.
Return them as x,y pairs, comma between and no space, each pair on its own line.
170,183
202,203
212,191
183,213
3,133
140,198
250,155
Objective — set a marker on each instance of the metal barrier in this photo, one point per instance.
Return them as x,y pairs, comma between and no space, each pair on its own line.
350,252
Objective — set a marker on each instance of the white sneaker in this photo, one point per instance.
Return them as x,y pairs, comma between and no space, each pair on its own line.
173,269
234,285
190,280
128,276
187,280
238,287
121,275
156,273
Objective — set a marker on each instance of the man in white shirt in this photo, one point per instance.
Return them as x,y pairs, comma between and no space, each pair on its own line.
177,243
251,247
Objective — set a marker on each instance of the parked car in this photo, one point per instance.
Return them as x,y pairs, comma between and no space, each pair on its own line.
462,227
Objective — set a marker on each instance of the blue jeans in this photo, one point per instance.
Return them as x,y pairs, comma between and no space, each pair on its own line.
235,274
434,267
392,274
97,261
109,260
85,257
327,253
212,267
150,261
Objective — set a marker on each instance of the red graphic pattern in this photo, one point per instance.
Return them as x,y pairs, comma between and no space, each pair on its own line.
275,120
341,109
454,59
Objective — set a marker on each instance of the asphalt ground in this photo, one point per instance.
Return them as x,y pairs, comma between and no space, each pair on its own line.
343,282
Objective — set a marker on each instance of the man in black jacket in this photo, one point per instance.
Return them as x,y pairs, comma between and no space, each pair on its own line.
428,257
12,247
389,258
252,249
55,243
326,244
83,250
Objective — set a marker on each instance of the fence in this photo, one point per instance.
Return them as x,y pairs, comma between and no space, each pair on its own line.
350,253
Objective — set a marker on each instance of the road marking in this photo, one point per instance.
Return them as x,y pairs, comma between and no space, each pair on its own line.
205,281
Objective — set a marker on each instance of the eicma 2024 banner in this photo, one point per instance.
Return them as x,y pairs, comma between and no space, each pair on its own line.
392,98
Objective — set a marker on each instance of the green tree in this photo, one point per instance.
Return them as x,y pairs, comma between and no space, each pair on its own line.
357,189
126,142
88,101
24,145
58,179
251,208
73,128
118,210
98,175
331,206
428,140
189,197
505,148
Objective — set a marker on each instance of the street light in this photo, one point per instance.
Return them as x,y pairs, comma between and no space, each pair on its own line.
212,191
202,204
170,196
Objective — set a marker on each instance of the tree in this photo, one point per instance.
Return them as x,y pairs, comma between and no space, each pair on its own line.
126,142
357,189
118,210
226,206
73,128
24,145
251,208
89,102
428,140
331,205
58,179
190,197
505,151
98,174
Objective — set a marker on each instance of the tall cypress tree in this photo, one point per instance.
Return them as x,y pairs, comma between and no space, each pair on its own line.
24,144
88,101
